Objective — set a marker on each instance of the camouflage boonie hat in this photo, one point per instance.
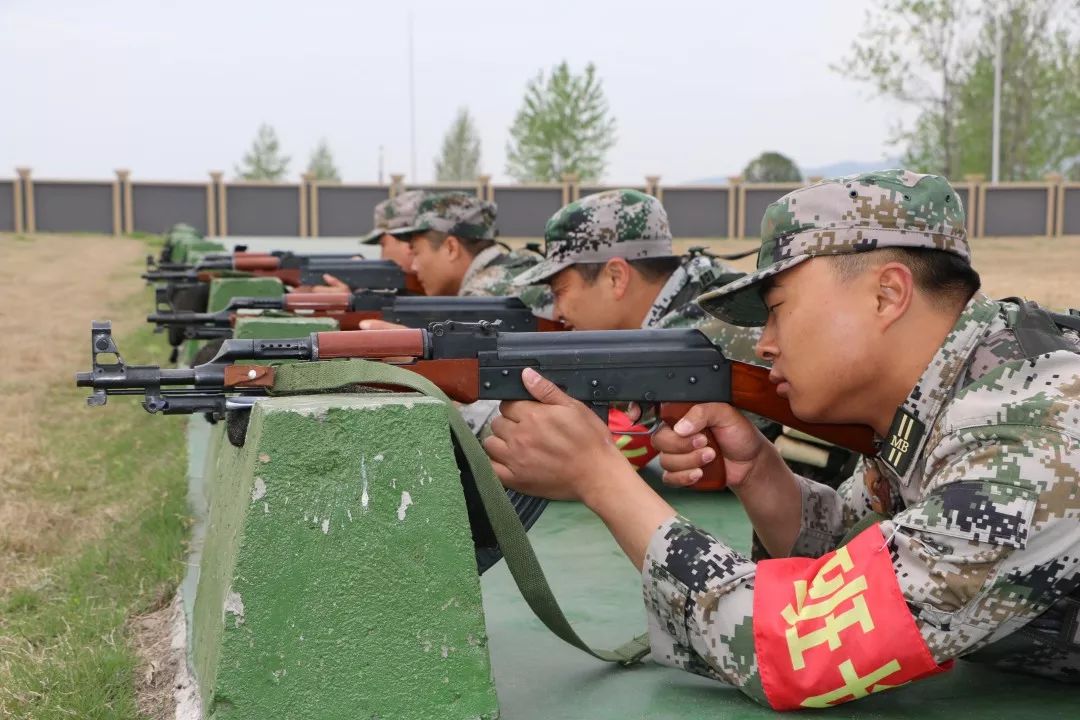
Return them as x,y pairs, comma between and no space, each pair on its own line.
394,214
857,213
615,223
455,213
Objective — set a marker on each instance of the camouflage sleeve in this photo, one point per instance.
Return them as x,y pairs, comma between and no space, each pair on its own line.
699,596
988,549
828,514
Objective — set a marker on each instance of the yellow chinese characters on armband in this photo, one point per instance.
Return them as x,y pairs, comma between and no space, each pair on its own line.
836,628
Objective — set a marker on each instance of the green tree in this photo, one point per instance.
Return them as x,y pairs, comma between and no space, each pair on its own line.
563,126
910,51
264,160
938,57
771,167
460,156
321,165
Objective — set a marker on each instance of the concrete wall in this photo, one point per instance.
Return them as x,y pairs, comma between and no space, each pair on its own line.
156,207
524,210
69,206
345,210
1017,209
697,212
7,206
334,210
1070,210
258,209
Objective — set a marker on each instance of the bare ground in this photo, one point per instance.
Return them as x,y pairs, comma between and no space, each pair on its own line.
51,287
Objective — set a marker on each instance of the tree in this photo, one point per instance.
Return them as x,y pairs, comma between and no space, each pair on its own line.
938,57
910,51
460,156
321,165
563,126
264,160
771,167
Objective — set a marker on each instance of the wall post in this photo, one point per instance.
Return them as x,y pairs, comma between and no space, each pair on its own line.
1055,202
306,180
652,187
220,203
736,207
28,199
127,198
977,215
397,184
17,201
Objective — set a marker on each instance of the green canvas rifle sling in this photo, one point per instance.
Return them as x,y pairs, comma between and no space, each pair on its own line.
517,551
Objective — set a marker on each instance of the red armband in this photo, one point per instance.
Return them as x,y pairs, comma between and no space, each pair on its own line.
836,628
638,449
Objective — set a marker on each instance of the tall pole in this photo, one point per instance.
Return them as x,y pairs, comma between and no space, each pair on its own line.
380,164
995,156
412,107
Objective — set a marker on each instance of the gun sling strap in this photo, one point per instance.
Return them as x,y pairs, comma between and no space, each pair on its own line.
520,558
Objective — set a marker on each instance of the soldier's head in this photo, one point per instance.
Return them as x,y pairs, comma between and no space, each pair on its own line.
450,229
859,279
391,217
606,257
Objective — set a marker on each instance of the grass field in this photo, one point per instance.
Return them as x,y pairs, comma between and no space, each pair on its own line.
92,501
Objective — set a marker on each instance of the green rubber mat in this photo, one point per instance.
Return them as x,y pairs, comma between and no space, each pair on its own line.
538,676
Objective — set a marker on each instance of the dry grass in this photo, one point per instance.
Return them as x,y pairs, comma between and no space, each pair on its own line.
50,288
91,502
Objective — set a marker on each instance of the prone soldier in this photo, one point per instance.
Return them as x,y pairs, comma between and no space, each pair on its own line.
960,538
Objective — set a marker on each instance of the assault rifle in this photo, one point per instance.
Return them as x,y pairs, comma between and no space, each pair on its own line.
295,271
350,308
241,260
673,368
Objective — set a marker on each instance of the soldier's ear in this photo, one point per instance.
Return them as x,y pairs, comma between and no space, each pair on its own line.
617,272
895,291
454,248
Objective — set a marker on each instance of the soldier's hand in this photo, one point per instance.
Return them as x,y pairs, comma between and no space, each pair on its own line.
683,448
332,285
555,447
380,325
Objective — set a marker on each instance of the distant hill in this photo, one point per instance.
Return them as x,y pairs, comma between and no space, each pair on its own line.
846,167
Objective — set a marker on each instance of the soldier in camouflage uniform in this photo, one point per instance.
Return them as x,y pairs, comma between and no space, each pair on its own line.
391,216
610,264
960,538
455,253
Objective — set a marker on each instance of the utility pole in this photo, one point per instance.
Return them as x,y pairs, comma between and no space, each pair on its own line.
995,154
380,164
412,107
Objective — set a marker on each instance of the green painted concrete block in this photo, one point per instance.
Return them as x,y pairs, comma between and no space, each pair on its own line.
187,249
222,290
268,326
338,578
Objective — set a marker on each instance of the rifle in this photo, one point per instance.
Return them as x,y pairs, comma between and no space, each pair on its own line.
351,308
298,270
243,260
674,368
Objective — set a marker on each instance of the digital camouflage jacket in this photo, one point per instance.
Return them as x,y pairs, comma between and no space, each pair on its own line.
979,487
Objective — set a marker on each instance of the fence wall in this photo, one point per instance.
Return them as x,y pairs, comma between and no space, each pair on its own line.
313,209
10,206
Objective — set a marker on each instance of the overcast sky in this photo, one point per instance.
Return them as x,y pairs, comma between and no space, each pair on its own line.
175,89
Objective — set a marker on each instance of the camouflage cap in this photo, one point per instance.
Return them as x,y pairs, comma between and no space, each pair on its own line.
615,223
857,213
394,214
455,213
